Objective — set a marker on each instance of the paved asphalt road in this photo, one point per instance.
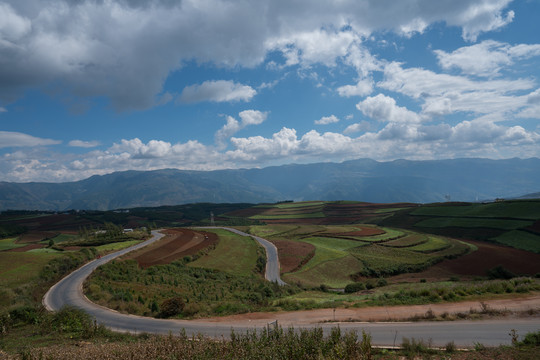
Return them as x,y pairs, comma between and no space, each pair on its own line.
464,333
272,262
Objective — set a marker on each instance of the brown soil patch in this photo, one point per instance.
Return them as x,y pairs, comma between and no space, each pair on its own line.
366,231
293,254
36,236
378,313
174,246
478,263
27,248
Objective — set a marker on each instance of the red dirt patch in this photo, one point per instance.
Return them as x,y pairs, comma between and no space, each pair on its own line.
478,263
36,236
366,231
175,245
27,248
293,254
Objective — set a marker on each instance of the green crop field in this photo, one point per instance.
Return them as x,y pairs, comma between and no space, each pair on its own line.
520,240
433,244
474,223
390,234
313,215
334,243
407,241
17,268
63,238
293,205
508,209
233,254
335,273
116,246
9,243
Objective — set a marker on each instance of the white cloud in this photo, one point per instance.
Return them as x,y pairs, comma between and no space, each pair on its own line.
2,109
444,94
357,127
217,91
325,120
486,58
383,108
84,144
17,139
125,50
362,88
232,126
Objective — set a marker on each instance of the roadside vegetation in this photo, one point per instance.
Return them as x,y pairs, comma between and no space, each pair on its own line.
272,343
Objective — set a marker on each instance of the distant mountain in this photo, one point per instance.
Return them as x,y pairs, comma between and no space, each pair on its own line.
363,180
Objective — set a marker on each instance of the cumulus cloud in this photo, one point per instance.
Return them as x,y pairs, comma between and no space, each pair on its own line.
357,127
384,108
325,120
84,144
125,50
232,126
362,88
443,94
17,139
486,58
217,91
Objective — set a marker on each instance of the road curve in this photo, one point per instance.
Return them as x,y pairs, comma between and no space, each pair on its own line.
272,262
464,333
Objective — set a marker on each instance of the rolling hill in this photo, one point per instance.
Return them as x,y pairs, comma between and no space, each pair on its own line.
363,180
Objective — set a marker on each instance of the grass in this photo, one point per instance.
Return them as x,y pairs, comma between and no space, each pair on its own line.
474,223
17,268
334,273
314,215
233,254
9,243
390,234
408,241
116,246
333,243
433,244
63,238
299,204
523,209
520,240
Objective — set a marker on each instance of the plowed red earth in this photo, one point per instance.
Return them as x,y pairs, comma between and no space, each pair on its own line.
292,254
36,236
174,246
366,231
27,248
479,262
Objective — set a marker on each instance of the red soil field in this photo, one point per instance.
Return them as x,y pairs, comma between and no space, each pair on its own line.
36,236
478,263
27,248
366,231
293,254
177,244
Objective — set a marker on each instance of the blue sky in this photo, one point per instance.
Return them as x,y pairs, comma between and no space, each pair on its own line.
95,86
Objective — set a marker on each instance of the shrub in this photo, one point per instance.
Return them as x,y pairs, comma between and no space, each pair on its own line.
499,272
172,307
354,287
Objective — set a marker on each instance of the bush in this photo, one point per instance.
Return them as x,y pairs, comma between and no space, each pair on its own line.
172,307
354,287
71,320
499,272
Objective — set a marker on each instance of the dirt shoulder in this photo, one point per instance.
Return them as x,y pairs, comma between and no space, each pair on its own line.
379,313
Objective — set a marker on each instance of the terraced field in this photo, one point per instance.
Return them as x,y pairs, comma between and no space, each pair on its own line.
510,223
343,254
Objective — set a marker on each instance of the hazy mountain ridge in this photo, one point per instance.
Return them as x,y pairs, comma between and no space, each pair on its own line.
363,179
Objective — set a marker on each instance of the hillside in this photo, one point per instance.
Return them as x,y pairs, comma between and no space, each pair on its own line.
361,180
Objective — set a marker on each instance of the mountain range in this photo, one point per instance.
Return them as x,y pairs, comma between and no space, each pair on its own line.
362,180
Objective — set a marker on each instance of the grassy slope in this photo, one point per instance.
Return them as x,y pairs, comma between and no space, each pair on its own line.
234,254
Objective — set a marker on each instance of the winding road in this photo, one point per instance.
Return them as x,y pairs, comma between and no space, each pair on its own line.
464,333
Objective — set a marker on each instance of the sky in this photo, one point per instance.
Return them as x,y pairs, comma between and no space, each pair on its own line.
90,87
